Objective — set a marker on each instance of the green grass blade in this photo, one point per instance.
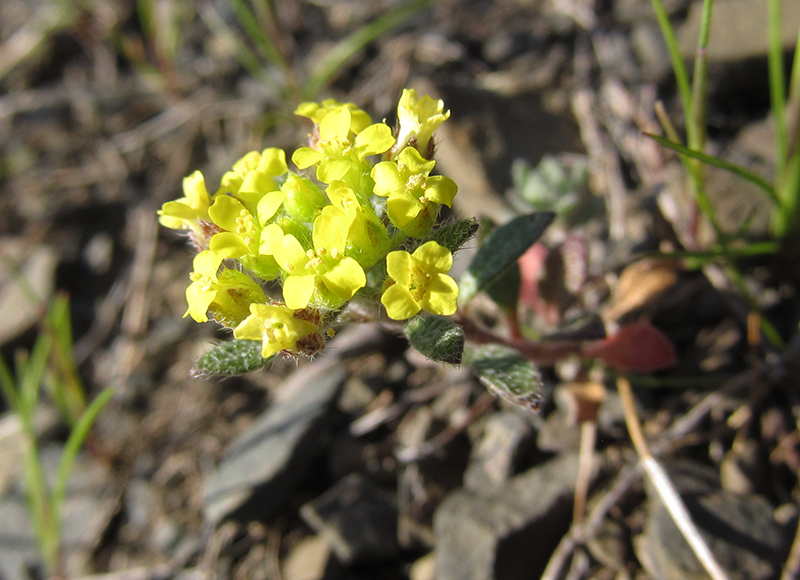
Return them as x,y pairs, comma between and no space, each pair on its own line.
33,374
348,47
678,66
727,253
256,33
8,386
241,52
39,503
69,394
73,446
777,88
753,178
697,123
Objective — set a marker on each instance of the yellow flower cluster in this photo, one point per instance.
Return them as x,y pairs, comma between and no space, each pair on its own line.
339,227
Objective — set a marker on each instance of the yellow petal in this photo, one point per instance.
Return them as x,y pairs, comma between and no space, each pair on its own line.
398,266
297,291
399,303
345,279
441,296
431,258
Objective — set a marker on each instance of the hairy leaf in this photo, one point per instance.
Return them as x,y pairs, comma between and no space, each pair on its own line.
501,250
231,358
454,234
438,338
510,375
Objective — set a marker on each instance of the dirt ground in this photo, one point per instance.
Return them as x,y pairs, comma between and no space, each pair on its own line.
102,116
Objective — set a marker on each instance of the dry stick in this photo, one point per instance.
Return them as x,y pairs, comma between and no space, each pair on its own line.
791,570
663,485
588,438
688,421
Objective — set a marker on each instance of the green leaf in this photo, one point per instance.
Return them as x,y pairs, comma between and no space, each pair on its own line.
501,250
231,358
438,338
505,291
454,234
756,180
510,375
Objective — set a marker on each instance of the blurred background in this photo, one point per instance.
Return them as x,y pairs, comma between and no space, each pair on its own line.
397,467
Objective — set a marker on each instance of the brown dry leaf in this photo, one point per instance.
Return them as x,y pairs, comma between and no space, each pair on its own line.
639,284
587,397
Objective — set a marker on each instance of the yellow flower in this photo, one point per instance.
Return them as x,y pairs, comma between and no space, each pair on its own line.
277,327
190,211
359,120
367,238
253,176
419,282
324,268
227,295
417,119
414,198
243,236
336,154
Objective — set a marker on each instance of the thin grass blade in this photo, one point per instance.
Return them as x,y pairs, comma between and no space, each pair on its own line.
753,178
348,47
73,446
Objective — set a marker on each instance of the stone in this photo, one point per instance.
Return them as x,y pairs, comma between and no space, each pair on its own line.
510,534
310,559
492,460
87,509
740,530
739,29
262,466
19,311
358,518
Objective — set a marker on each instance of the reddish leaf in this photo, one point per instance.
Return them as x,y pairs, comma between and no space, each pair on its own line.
531,264
639,347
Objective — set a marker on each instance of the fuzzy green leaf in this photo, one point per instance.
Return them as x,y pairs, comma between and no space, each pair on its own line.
454,234
505,291
438,338
510,375
501,250
231,358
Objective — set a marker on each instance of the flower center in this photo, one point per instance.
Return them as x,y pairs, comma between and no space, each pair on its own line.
205,282
415,182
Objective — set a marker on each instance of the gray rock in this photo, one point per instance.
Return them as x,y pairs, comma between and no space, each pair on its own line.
651,51
310,559
740,530
261,467
492,460
510,534
86,511
358,518
738,29
37,266
630,11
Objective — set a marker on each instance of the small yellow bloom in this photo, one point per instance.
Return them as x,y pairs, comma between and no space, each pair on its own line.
276,326
324,269
336,152
359,120
417,118
419,282
227,295
203,289
190,211
414,197
253,176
